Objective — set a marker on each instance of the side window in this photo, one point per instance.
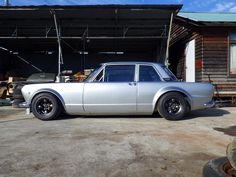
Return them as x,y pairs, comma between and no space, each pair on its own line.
148,74
119,73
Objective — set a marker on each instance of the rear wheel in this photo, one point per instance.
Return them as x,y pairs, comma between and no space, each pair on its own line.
172,106
45,106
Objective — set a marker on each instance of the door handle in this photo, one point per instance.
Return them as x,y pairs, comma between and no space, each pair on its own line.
132,83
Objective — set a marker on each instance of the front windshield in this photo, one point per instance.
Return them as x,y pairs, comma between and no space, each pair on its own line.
92,74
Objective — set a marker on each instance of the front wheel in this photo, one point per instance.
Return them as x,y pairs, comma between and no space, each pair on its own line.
45,106
172,106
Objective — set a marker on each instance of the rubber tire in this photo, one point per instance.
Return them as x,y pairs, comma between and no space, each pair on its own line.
56,110
214,168
161,108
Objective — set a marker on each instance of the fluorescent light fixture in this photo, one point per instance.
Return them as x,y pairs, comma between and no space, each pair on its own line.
50,52
112,53
83,53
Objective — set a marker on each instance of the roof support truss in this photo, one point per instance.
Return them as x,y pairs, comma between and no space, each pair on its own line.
20,32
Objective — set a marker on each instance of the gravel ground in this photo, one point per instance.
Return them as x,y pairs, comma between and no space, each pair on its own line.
112,146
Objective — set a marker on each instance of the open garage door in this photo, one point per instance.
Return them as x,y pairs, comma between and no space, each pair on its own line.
89,34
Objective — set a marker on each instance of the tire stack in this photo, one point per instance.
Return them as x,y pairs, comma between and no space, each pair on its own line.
17,95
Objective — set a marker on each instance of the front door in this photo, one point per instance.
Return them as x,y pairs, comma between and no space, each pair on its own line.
114,93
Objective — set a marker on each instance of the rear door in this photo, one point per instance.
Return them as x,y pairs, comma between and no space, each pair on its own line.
112,92
149,82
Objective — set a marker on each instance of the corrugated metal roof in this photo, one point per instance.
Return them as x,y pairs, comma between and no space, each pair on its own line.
208,17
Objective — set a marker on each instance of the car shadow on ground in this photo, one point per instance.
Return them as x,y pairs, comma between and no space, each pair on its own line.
66,116
212,112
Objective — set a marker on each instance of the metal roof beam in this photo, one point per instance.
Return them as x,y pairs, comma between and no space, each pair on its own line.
79,37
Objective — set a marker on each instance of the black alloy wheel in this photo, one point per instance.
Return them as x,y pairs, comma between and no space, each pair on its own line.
46,106
172,106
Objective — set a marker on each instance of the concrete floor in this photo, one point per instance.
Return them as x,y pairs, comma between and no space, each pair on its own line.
112,146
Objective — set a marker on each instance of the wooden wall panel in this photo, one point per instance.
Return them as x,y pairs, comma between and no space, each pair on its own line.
211,53
198,56
215,60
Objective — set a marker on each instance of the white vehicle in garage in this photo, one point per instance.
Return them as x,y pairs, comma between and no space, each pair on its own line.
120,88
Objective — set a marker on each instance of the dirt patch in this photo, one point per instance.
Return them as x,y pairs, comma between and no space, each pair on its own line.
8,113
38,166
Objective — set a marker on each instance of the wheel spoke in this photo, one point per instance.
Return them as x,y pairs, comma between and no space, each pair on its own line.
44,106
173,106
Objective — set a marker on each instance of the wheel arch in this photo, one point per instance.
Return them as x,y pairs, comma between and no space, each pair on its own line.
164,91
50,91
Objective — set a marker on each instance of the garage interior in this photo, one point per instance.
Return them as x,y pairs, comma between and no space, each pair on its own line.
88,35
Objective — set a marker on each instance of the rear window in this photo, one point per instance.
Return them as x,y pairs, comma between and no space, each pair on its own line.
172,76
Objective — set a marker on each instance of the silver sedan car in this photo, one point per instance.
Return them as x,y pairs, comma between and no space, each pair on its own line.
120,88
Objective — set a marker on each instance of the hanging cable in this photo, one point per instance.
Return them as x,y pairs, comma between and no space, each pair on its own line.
22,59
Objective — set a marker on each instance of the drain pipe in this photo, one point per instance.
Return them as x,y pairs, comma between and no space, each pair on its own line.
168,41
60,58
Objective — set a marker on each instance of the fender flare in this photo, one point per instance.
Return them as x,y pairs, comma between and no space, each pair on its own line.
170,89
47,90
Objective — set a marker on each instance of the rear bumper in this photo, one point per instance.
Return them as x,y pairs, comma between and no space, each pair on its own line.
209,104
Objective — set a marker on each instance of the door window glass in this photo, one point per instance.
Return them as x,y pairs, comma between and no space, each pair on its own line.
119,73
148,74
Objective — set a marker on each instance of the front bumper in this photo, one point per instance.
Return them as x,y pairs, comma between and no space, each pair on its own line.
24,105
209,104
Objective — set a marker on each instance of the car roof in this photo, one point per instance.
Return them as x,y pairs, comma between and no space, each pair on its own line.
130,62
159,66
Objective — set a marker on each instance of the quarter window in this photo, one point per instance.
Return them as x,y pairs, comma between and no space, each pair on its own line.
119,73
148,74
99,77
232,65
